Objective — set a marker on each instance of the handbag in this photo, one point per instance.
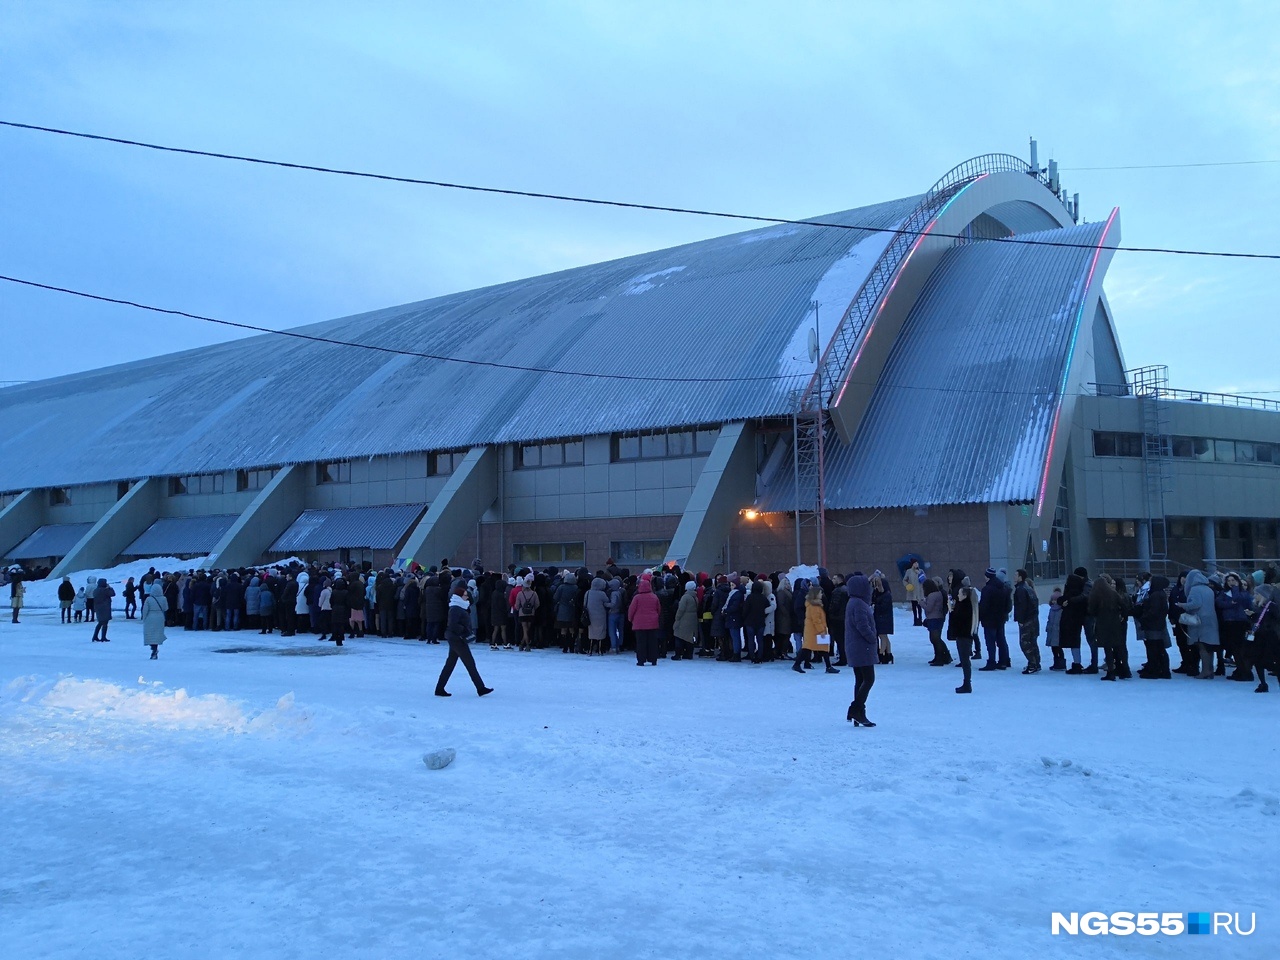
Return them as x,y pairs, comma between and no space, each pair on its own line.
822,641
1189,620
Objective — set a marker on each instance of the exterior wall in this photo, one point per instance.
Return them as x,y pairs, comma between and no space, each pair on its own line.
88,504
1114,488
401,478
597,487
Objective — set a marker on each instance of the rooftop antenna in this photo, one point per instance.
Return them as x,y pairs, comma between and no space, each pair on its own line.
1035,161
1075,207
1054,185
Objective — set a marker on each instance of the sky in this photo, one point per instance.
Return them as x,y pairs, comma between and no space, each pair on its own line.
788,110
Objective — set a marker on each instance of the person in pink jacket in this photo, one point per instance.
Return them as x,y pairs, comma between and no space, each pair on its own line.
645,615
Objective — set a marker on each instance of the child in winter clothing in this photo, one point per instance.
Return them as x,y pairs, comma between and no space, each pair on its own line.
77,605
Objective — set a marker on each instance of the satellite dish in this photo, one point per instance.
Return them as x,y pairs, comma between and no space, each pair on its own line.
813,344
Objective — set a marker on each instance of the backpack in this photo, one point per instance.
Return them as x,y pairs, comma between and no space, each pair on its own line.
528,602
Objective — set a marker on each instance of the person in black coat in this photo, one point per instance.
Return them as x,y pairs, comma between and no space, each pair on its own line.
1151,614
339,607
1075,605
288,603
836,605
882,609
755,610
457,627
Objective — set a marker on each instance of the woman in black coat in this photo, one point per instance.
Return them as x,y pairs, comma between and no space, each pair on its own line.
1152,618
882,607
1075,605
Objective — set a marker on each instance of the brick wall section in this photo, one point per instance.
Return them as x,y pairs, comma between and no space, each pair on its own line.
953,536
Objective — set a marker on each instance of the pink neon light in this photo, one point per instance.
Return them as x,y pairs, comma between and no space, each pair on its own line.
1066,373
902,267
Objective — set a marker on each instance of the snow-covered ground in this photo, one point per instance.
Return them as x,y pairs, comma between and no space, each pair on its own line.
273,803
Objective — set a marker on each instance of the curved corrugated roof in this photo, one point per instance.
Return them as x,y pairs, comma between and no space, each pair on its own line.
735,306
964,407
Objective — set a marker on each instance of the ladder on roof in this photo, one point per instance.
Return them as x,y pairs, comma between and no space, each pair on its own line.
1150,385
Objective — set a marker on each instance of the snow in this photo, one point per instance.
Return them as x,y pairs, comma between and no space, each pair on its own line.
833,293
270,803
645,282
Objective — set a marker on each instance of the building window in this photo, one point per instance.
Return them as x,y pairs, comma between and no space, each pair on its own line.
555,453
1108,443
255,479
59,496
199,483
626,552
442,463
122,488
1224,451
662,444
535,553
1119,528
338,471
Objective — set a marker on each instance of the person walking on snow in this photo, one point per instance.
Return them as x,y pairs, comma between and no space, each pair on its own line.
154,608
863,646
102,609
455,634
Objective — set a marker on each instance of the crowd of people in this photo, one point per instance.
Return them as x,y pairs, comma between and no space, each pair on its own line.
1218,622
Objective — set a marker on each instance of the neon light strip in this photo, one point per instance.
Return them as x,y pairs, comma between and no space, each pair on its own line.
884,299
1071,352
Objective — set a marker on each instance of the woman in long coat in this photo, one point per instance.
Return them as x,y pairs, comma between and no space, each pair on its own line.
154,607
815,625
685,626
863,646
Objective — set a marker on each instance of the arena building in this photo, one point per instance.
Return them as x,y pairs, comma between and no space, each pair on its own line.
899,379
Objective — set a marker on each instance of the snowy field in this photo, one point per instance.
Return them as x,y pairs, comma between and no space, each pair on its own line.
274,803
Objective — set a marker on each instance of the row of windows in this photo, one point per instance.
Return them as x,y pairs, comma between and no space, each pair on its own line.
660,445
1108,443
624,552
1190,529
201,483
557,453
533,554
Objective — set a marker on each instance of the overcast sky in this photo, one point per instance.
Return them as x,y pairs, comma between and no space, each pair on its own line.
786,109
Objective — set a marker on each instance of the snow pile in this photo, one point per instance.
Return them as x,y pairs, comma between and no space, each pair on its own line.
804,571
152,704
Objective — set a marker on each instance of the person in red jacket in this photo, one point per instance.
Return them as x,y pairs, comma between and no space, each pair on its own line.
645,616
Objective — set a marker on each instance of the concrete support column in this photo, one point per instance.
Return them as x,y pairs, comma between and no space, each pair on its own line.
123,524
21,518
726,485
275,507
453,515
1142,530
1209,531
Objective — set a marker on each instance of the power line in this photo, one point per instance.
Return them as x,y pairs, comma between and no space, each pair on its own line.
1175,166
596,201
516,368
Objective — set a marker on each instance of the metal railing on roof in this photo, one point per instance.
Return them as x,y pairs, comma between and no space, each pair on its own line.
856,319
1186,396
